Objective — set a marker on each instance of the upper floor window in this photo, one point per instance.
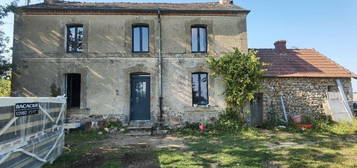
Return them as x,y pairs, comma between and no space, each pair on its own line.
140,39
75,38
199,88
199,39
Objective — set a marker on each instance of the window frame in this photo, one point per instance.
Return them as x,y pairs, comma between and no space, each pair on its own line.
140,26
68,28
194,104
198,27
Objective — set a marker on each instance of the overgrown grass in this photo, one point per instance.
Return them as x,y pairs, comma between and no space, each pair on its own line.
78,145
331,145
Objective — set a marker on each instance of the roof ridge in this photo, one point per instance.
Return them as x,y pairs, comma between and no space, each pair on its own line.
140,2
127,6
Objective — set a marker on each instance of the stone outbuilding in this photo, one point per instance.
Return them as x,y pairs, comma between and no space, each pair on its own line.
303,78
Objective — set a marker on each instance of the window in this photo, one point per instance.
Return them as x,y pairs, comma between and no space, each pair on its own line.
200,88
140,39
199,39
331,88
75,39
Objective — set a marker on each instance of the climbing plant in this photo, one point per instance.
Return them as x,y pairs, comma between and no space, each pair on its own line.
241,73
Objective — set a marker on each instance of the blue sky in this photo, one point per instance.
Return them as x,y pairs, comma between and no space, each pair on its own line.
329,26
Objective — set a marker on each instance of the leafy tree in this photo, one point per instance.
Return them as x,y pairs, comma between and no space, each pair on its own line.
5,65
242,73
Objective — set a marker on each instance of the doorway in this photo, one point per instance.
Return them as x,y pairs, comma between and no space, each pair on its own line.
256,107
73,88
139,97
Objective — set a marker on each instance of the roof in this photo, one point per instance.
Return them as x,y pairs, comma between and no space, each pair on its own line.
125,6
300,63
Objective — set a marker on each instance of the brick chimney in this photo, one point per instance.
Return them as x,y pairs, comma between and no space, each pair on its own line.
280,45
50,1
226,2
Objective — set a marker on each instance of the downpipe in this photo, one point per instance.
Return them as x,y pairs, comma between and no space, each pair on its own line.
160,67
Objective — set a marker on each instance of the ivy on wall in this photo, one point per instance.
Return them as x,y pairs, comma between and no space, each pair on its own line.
241,73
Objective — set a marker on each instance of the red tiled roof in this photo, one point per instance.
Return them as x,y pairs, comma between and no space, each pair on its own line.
300,63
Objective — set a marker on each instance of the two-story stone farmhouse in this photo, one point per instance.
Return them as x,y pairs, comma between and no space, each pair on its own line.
147,61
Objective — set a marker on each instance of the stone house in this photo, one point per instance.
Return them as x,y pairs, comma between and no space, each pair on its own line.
139,62
146,62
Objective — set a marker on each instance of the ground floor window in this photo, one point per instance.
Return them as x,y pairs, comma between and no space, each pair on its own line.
199,88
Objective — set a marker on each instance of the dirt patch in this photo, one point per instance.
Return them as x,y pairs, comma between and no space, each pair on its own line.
135,155
89,161
138,160
150,141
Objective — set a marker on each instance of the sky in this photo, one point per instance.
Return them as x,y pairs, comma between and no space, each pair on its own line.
329,26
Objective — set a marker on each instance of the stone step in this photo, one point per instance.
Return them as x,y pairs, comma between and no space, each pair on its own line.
140,124
138,131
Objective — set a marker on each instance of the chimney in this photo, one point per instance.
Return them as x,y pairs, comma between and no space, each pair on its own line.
50,1
226,2
280,45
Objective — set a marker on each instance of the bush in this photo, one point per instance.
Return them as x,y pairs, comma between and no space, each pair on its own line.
241,73
5,88
228,123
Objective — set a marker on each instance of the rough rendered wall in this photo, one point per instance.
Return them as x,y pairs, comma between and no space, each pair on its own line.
302,95
107,61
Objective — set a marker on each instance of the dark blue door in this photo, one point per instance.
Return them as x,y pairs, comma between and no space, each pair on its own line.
140,97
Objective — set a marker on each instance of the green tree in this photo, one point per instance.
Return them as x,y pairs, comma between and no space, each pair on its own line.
5,65
242,74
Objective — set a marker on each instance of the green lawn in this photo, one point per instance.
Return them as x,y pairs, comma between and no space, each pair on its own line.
335,147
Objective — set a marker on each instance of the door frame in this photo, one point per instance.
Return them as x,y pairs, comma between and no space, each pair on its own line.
130,94
80,92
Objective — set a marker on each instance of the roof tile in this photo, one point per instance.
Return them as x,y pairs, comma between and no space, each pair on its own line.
137,6
300,63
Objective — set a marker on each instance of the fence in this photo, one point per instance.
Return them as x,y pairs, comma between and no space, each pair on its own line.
31,131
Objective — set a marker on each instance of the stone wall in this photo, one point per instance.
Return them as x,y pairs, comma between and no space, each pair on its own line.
106,63
305,96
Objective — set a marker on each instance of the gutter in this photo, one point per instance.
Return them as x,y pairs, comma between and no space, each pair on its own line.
160,66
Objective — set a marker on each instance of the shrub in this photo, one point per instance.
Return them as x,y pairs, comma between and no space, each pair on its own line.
228,123
5,88
241,73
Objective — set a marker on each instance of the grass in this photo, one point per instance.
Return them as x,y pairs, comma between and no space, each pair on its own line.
333,146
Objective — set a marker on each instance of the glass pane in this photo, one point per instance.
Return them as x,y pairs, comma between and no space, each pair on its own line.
203,39
136,39
71,38
79,39
195,88
194,40
204,89
145,39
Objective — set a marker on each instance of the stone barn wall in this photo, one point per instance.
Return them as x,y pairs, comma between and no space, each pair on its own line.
305,96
